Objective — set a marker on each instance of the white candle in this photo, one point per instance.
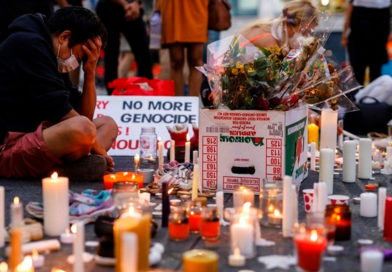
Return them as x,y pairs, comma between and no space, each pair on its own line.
242,195
320,196
172,150
136,162
329,125
38,260
294,204
287,220
372,260
78,246
187,149
129,252
242,236
55,200
220,204
327,161
195,181
382,194
389,153
236,259
3,267
26,265
195,157
368,206
349,167
365,159
40,246
160,154
16,213
313,156
144,198
66,237
2,224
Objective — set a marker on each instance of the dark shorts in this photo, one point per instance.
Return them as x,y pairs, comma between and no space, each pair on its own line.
26,155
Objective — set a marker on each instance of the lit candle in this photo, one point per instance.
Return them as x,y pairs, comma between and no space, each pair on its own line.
312,156
242,236
26,265
136,162
372,260
368,206
38,260
310,247
139,224
78,246
130,177
200,260
382,195
15,256
313,134
242,195
275,217
187,149
160,154
16,213
340,216
365,159
236,259
165,204
3,267
144,198
108,181
349,167
329,126
195,181
2,224
288,219
327,161
129,252
55,200
172,150
195,157
66,237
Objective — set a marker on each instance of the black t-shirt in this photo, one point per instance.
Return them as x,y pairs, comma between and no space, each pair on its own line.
31,88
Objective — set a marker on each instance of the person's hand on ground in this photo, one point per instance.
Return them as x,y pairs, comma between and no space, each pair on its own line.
132,11
92,49
97,149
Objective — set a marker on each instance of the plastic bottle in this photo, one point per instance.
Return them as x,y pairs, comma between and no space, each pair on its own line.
148,147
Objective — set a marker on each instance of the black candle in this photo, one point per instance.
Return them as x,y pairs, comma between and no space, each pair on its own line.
165,204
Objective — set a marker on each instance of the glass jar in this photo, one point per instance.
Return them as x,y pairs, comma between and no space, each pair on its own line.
123,194
340,216
148,147
178,223
271,205
317,220
194,216
210,225
241,195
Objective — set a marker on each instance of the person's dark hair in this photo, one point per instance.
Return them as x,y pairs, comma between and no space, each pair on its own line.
82,23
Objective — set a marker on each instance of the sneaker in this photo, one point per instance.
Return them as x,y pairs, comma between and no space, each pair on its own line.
88,168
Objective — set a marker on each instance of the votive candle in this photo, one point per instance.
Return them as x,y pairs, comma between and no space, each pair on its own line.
371,260
200,260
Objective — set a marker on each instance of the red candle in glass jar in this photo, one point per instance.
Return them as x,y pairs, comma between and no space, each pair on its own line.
194,221
108,181
388,219
130,177
310,247
178,231
210,229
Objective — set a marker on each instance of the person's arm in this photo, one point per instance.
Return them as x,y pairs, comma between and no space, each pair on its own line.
346,25
132,10
62,3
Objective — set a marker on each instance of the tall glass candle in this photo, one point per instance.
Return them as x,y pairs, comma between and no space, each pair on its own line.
200,260
329,126
55,200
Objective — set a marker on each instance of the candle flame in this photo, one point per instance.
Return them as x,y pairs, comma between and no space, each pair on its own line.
270,208
73,228
170,190
67,231
16,200
246,207
276,212
3,267
54,269
313,235
34,253
54,175
187,137
133,176
137,157
237,252
26,264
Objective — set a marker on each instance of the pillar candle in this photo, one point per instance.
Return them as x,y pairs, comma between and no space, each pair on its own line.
55,200
327,161
382,194
78,246
15,256
372,260
195,181
172,150
368,206
349,167
2,224
129,252
313,156
220,204
242,195
136,162
16,213
365,159
242,236
195,156
329,126
294,205
313,134
320,196
187,157
287,221
160,155
388,219
165,204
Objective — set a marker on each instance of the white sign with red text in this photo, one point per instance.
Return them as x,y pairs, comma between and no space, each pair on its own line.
131,113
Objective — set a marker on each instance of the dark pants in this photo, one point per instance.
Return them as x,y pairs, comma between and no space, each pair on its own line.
367,41
112,16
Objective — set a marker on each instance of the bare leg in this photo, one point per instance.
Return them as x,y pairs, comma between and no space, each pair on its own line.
176,52
106,131
195,58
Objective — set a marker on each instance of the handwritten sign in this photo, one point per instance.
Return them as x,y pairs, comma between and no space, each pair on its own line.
131,113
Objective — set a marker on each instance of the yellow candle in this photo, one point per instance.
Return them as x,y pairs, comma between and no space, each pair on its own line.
313,134
16,249
200,260
140,225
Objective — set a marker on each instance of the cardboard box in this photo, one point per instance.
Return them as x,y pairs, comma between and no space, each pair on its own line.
246,146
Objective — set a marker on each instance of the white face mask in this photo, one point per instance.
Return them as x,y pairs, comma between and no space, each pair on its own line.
66,65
